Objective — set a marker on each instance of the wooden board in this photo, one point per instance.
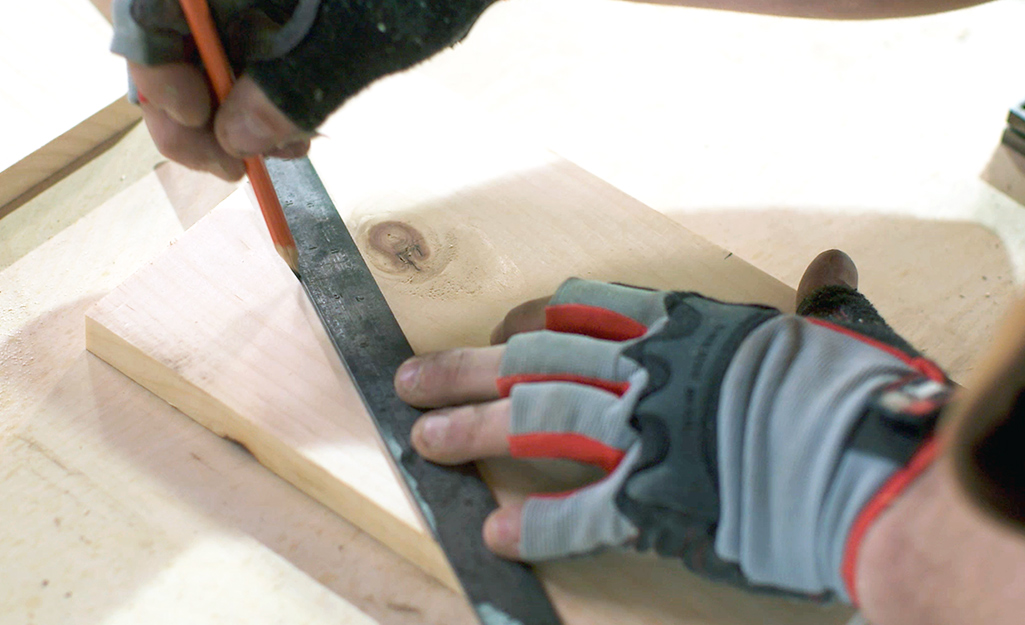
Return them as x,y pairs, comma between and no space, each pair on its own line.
779,138
103,6
942,284
60,91
220,328
118,509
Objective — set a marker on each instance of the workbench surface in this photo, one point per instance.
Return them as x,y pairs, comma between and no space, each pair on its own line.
773,138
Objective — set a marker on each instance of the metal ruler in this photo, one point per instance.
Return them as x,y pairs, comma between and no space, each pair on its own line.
1014,135
452,501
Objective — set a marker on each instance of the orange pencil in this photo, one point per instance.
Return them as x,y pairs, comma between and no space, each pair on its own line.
215,59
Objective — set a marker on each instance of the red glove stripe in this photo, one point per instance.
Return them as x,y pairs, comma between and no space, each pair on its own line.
919,364
565,446
893,487
506,383
600,323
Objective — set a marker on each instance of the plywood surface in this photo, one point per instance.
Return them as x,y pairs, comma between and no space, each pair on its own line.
893,118
459,223
90,532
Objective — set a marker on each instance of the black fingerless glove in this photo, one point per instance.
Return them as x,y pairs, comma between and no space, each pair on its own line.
756,447
308,56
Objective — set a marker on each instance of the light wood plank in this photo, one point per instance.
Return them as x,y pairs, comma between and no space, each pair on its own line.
220,328
103,6
117,509
130,159
60,91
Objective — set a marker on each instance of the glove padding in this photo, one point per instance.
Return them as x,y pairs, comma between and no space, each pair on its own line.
745,442
308,56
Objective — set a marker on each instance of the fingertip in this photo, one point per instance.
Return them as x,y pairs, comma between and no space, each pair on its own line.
527,317
429,433
194,148
180,90
291,151
407,377
248,123
449,378
229,169
502,532
417,440
498,334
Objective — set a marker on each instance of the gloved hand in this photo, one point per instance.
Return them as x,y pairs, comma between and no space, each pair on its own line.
299,60
756,447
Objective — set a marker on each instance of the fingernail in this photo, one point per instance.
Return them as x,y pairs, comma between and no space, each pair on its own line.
248,134
501,531
433,431
221,171
409,374
290,151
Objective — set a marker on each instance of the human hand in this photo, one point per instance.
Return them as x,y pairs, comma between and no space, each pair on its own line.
724,430
177,108
571,393
475,421
298,59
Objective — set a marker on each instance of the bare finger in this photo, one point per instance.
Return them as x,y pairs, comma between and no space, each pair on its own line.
526,317
452,377
178,89
248,123
292,151
574,523
502,531
463,434
194,148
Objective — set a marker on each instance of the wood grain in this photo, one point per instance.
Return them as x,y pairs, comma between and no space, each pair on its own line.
117,509
77,146
460,221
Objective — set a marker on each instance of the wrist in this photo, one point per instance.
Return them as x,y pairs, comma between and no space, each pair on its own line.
881,570
933,559
892,492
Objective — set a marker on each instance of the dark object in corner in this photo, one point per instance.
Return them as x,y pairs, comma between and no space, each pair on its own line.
995,456
1014,135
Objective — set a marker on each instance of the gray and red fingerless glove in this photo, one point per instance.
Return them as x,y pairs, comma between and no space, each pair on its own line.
757,447
308,56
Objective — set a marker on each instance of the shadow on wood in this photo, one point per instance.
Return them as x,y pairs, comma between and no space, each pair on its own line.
942,284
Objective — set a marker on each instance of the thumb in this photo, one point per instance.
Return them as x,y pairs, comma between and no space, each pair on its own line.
248,123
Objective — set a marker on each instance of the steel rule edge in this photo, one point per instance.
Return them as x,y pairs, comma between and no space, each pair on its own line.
371,345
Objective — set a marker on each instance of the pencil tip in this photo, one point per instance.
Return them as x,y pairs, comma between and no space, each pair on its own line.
291,257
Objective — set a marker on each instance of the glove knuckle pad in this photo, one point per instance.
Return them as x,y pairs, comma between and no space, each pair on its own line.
672,493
